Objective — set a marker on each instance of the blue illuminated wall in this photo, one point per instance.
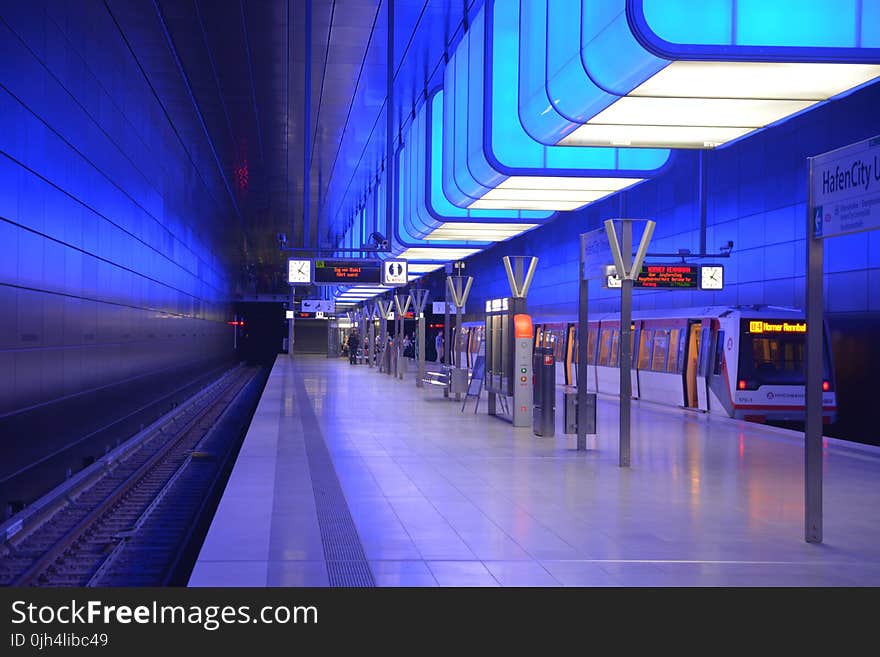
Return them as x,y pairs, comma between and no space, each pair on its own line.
756,197
108,221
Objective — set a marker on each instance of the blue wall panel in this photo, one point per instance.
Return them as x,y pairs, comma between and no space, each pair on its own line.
110,218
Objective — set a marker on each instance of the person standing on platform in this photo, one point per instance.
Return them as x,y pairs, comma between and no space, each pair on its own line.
353,344
438,346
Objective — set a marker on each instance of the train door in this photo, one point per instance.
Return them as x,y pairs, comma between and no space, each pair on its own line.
704,366
697,355
692,354
570,355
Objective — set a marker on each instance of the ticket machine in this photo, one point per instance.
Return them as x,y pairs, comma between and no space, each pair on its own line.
522,370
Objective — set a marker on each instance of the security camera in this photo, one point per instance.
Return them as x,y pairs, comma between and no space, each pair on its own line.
378,242
379,239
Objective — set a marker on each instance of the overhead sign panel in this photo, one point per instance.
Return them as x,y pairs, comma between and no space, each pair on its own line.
438,307
347,272
675,276
318,305
395,272
845,189
595,253
668,276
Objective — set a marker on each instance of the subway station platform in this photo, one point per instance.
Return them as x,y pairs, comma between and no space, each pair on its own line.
350,477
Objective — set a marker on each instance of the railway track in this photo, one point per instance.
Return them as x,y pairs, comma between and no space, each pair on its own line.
127,527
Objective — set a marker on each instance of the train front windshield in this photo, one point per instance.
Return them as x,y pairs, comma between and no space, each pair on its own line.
772,353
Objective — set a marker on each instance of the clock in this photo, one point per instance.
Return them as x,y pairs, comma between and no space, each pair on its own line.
711,277
299,271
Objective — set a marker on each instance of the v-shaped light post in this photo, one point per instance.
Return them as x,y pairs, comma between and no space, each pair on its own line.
384,307
401,305
419,298
628,269
370,316
459,288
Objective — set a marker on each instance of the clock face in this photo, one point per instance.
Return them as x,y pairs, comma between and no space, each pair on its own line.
711,277
299,271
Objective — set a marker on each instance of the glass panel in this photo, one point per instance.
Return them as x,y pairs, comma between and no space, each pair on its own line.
672,362
719,354
646,343
591,346
661,345
615,348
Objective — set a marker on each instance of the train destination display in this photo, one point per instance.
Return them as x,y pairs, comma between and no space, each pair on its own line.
347,272
678,276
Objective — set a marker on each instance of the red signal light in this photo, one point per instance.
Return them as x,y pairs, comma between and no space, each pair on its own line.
826,386
742,384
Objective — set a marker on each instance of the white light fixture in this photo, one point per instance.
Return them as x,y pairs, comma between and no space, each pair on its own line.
423,268
703,104
443,255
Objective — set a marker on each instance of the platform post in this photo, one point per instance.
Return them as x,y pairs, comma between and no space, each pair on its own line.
458,287
626,288
813,391
401,305
582,365
290,323
419,301
447,346
383,307
370,315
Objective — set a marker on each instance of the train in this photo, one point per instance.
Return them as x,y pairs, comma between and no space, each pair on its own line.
744,362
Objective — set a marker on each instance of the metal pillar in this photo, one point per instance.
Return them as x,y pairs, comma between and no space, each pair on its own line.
582,357
370,314
383,306
458,287
813,392
626,287
401,305
627,269
307,130
390,166
290,325
447,346
419,301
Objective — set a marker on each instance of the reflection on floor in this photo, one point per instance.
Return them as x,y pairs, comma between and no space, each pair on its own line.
440,497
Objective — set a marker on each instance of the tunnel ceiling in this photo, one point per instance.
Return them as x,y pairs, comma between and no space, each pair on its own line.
239,67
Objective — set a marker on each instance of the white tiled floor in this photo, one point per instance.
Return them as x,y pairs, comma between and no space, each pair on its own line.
441,497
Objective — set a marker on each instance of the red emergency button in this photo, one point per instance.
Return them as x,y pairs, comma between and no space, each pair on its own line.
548,359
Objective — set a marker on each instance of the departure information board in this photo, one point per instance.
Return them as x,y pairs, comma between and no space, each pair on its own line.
347,272
669,276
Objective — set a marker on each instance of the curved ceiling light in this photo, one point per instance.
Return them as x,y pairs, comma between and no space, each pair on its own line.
432,216
490,161
686,74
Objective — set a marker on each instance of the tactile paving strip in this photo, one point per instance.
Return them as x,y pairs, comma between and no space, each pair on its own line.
346,562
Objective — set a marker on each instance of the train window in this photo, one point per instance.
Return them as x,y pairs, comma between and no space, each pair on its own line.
559,354
719,353
605,347
591,346
661,345
615,348
672,360
682,341
646,344
772,358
